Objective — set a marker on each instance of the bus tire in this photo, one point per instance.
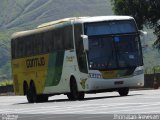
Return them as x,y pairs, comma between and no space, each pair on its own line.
42,98
25,88
74,93
81,96
27,92
123,91
29,96
33,92
37,98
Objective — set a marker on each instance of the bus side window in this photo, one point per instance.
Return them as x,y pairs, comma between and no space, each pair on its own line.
29,39
47,41
38,41
27,47
58,40
51,42
19,48
54,39
81,57
13,43
68,37
36,44
21,51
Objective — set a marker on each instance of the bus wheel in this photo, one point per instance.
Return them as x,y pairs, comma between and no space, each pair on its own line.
81,96
42,98
33,92
74,94
37,98
123,91
29,96
27,92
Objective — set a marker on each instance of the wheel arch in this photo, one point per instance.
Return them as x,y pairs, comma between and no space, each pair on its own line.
73,78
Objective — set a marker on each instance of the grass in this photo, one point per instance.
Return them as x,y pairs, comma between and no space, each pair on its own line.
6,83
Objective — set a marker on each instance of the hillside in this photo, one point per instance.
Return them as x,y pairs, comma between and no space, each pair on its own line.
17,15
33,12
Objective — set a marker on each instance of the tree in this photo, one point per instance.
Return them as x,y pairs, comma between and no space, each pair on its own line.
145,12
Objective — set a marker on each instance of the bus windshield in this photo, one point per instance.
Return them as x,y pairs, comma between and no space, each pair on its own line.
115,50
110,27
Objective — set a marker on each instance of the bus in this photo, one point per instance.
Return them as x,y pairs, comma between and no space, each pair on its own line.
75,56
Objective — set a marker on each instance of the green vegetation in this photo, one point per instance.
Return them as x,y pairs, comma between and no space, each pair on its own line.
154,69
6,83
145,12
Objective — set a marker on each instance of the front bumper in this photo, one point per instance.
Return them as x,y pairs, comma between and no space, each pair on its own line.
101,84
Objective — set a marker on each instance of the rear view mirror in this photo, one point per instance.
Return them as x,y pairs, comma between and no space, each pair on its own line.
85,42
143,37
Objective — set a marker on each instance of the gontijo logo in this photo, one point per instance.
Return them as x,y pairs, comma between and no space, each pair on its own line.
35,62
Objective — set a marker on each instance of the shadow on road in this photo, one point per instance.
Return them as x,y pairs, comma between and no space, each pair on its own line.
85,99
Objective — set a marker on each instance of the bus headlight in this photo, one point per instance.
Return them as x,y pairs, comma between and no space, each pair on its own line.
138,71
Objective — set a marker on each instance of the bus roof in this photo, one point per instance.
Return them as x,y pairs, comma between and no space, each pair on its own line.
85,19
105,18
50,25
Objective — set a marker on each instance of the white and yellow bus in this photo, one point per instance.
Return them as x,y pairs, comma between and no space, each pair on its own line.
74,56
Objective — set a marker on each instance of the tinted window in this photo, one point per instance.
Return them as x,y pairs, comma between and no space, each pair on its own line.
60,38
81,56
110,27
68,37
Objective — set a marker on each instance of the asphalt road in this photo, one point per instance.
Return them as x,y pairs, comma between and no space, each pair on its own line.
95,106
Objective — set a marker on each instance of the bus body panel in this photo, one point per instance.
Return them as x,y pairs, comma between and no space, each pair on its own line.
70,69
66,72
93,84
96,80
27,69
